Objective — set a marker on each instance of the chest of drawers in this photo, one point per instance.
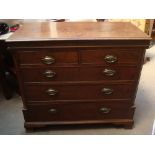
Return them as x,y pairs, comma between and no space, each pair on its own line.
78,73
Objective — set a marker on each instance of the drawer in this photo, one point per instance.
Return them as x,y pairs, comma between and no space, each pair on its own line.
109,56
77,112
48,57
47,92
45,74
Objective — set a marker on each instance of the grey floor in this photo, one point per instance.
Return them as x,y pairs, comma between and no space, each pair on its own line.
11,118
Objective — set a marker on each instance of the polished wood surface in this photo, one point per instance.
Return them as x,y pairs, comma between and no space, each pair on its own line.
97,56
78,73
74,56
78,31
78,111
60,56
35,92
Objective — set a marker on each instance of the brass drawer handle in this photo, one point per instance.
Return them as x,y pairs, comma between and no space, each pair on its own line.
109,72
51,92
105,110
49,74
107,91
53,111
48,60
110,58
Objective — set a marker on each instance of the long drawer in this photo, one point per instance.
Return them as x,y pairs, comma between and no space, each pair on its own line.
77,112
45,74
46,92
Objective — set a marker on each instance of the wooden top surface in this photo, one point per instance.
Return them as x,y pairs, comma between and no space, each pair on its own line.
78,31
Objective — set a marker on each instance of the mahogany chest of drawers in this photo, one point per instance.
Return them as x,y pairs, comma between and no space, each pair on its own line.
78,73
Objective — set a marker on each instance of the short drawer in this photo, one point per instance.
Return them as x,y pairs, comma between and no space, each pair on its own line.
47,92
88,73
112,56
48,57
77,112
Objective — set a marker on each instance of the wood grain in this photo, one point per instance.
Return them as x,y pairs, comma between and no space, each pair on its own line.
79,50
78,31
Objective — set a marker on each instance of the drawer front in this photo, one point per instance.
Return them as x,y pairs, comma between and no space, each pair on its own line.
48,57
111,56
77,112
45,74
78,92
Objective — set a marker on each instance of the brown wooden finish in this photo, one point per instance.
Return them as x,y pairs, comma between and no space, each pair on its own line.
83,56
77,31
76,34
75,92
76,112
124,56
60,56
153,31
106,102
126,123
78,73
14,46
84,73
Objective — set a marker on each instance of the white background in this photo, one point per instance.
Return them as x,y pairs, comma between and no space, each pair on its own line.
77,145
87,9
